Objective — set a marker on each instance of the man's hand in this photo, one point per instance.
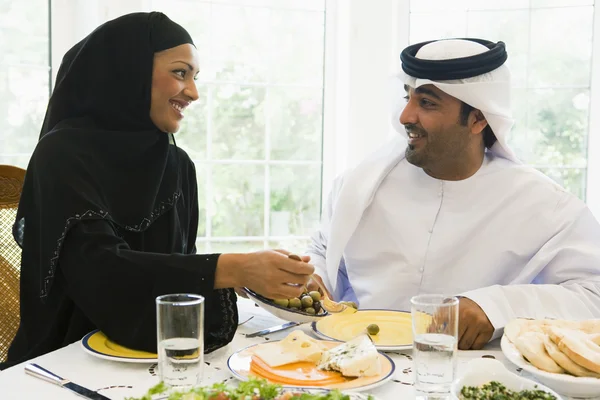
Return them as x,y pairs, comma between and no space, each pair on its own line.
474,327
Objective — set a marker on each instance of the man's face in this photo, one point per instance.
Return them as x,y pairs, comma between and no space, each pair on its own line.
436,138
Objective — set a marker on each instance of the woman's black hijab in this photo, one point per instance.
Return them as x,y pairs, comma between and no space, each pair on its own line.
99,155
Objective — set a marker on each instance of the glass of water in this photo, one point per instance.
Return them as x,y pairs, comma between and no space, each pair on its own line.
180,334
435,344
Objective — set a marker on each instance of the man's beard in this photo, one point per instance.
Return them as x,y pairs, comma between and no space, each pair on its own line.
412,154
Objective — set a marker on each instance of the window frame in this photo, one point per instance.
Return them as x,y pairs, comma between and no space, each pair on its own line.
74,19
345,94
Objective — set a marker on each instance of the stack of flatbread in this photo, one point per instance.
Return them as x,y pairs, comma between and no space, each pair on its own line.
558,346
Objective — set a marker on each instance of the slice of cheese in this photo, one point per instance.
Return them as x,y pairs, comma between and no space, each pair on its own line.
296,347
357,357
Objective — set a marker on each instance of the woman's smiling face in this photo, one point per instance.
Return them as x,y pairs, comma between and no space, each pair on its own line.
173,86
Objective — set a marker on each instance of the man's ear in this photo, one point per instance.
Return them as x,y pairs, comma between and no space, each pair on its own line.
477,122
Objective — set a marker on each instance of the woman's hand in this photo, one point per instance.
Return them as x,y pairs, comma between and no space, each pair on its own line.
316,283
272,274
269,273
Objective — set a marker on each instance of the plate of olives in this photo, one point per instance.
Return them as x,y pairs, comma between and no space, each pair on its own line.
306,308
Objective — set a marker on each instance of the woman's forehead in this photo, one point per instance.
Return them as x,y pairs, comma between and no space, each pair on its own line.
185,53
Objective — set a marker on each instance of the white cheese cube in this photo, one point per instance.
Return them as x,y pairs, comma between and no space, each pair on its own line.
355,358
296,347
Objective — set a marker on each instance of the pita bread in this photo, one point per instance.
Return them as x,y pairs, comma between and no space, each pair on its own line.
513,329
565,362
578,347
591,326
594,337
519,326
531,346
558,346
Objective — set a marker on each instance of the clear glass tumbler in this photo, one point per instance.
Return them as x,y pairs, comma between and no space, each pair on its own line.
180,334
435,344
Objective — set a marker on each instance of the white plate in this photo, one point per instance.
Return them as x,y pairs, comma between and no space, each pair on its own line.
98,345
239,366
484,370
283,312
567,385
397,326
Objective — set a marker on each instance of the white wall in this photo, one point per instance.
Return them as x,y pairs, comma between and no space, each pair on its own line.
364,39
593,175
363,44
72,20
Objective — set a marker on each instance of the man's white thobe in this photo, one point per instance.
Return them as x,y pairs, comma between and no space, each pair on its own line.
508,238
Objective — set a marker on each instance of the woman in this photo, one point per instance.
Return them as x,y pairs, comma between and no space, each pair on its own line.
109,211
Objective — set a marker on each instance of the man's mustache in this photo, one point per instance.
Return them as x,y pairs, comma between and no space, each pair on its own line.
412,128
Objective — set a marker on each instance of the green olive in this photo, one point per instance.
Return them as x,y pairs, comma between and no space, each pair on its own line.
295,308
282,302
295,303
373,329
307,301
316,296
310,310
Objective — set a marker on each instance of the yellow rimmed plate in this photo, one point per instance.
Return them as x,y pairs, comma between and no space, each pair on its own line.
239,365
97,344
395,328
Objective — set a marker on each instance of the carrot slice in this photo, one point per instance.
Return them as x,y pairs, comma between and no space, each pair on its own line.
298,374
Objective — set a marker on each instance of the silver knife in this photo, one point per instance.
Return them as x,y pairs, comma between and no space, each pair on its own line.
273,329
42,373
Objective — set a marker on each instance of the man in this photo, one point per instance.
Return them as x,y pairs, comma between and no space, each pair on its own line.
453,210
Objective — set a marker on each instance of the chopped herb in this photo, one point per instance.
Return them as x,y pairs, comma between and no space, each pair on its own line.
497,391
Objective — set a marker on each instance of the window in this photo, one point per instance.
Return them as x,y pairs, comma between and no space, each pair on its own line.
549,45
24,77
255,134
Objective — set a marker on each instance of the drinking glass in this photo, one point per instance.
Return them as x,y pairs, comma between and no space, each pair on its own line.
435,344
180,326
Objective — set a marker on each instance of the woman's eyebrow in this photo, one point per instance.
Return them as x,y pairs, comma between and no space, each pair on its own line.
183,62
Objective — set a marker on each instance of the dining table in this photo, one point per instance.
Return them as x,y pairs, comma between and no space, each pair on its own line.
120,380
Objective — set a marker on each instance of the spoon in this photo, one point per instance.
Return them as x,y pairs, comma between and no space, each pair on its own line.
328,304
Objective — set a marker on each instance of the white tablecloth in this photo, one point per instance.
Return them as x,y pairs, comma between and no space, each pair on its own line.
117,380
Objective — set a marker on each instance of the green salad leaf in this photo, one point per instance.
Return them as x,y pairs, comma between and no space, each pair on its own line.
253,389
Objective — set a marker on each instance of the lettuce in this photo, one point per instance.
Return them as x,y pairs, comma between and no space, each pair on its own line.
253,389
